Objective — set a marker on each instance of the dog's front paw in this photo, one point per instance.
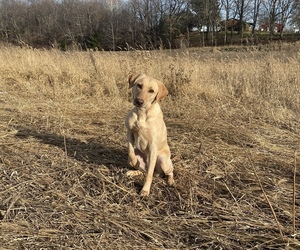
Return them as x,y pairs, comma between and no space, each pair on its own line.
144,193
134,163
132,173
170,180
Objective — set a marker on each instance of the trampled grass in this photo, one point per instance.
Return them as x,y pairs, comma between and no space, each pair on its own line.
233,123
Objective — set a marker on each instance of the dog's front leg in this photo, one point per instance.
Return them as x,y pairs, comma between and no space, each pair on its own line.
152,161
132,159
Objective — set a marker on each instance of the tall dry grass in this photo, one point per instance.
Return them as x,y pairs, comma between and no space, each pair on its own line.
233,122
253,77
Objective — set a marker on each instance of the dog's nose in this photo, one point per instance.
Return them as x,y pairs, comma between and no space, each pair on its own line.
138,102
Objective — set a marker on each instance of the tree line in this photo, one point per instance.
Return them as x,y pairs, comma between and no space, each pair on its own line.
125,24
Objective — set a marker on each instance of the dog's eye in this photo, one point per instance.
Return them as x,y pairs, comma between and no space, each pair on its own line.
139,86
151,91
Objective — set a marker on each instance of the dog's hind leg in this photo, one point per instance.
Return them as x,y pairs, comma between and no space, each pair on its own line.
166,165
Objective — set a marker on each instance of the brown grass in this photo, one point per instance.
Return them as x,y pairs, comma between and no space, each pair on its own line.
233,122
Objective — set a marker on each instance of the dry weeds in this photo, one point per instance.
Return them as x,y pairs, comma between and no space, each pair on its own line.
233,122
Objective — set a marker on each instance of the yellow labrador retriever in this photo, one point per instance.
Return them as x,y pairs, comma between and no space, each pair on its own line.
148,150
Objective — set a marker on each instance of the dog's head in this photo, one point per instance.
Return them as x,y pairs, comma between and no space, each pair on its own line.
146,90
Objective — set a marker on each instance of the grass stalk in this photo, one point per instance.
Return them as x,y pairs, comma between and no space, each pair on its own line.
265,195
66,151
294,196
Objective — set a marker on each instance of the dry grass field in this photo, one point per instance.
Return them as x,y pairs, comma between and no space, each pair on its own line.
233,119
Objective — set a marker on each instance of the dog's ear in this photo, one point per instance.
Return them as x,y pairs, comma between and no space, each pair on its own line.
162,91
132,78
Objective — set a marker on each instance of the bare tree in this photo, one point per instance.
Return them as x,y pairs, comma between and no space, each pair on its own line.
242,7
156,22
256,11
113,9
208,13
43,21
174,8
70,22
150,14
134,27
13,20
295,17
279,11
226,6
287,10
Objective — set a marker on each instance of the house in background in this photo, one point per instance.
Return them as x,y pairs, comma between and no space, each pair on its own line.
266,27
295,29
203,28
233,25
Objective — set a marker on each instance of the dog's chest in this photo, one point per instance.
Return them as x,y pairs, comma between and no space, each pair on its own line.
137,123
142,134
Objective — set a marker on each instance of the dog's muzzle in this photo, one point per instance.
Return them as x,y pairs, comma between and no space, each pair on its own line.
138,102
